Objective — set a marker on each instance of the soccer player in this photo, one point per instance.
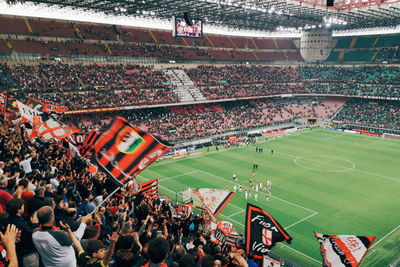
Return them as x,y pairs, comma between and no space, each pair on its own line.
269,184
268,189
255,196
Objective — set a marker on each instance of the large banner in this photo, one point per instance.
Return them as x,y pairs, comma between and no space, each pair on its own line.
43,125
123,151
214,199
262,231
343,250
27,113
88,143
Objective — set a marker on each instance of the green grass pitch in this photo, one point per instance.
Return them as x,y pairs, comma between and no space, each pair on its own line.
323,181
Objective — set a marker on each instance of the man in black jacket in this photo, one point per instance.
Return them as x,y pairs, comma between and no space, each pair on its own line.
26,251
36,202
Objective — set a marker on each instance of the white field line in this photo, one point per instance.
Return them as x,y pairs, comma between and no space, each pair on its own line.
236,213
385,236
260,192
390,178
334,165
301,132
293,224
183,174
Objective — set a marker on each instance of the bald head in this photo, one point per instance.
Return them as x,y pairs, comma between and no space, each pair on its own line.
45,215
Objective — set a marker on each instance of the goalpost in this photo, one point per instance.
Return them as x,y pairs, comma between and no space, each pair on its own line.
391,136
187,194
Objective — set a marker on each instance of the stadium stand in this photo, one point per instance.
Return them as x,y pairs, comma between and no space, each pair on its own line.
196,121
372,113
243,84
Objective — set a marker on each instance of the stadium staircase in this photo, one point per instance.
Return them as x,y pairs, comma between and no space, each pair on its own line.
183,86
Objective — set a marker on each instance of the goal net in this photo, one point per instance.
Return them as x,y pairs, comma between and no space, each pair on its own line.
391,136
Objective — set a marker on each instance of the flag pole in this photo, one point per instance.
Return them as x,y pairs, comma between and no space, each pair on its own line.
101,203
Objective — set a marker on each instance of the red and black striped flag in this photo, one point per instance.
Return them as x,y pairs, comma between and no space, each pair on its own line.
225,233
149,189
343,250
262,231
123,151
90,140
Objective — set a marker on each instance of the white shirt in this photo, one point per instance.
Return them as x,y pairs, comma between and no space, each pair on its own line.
53,170
26,165
32,187
52,252
55,183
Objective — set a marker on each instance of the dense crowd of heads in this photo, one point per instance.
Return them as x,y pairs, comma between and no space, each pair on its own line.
200,121
93,86
49,216
371,113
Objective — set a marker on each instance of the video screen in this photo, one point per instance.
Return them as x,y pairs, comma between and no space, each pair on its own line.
182,29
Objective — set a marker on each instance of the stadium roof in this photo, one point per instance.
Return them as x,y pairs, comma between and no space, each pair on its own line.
265,15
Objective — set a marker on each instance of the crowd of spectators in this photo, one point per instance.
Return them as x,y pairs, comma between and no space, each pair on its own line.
239,74
51,215
93,85
200,121
372,113
237,91
389,55
361,74
55,78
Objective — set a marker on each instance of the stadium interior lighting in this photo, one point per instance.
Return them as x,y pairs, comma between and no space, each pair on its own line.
148,18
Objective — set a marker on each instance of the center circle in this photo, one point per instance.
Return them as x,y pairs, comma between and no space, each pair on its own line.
325,163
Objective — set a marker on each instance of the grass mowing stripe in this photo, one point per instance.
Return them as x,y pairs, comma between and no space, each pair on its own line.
350,202
176,176
334,165
376,243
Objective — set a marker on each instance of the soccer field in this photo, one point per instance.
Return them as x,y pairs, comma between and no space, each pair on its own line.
323,181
